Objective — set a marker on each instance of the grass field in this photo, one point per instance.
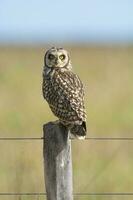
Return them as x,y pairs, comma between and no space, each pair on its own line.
98,166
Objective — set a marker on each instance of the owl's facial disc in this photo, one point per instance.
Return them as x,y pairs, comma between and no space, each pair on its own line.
56,57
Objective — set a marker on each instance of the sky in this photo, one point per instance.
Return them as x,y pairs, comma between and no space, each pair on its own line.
37,21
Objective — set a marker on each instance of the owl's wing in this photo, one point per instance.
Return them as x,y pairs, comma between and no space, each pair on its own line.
72,89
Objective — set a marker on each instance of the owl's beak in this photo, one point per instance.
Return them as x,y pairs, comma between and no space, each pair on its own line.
56,61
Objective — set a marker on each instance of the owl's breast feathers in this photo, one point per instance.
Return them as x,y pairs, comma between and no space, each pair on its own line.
65,95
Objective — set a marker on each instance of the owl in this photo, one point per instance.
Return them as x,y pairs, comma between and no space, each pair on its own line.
63,90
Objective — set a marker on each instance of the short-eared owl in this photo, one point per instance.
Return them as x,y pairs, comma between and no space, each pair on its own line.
63,90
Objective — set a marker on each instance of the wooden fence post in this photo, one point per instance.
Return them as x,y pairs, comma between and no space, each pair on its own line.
57,162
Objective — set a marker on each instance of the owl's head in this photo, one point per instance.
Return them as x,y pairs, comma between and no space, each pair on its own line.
57,58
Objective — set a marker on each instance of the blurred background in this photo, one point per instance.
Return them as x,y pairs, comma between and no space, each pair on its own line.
99,36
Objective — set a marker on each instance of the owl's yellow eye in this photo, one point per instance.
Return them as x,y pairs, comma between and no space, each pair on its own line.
51,56
62,57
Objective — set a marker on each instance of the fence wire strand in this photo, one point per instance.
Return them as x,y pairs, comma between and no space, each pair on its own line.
87,138
74,194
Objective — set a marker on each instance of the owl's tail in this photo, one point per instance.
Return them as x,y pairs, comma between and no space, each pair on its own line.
79,130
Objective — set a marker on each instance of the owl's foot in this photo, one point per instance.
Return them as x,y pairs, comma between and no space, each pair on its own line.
80,137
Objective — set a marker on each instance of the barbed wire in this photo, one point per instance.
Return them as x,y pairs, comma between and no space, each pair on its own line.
74,194
87,138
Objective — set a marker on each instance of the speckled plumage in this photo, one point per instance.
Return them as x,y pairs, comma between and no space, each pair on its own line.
63,90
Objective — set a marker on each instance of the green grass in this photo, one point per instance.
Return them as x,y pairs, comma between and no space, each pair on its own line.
101,166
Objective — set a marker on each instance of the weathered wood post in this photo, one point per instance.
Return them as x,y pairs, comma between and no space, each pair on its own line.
57,162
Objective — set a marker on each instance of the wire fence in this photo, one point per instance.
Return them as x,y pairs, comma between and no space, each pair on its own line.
74,194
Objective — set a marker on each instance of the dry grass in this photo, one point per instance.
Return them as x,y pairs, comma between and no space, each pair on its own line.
98,166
